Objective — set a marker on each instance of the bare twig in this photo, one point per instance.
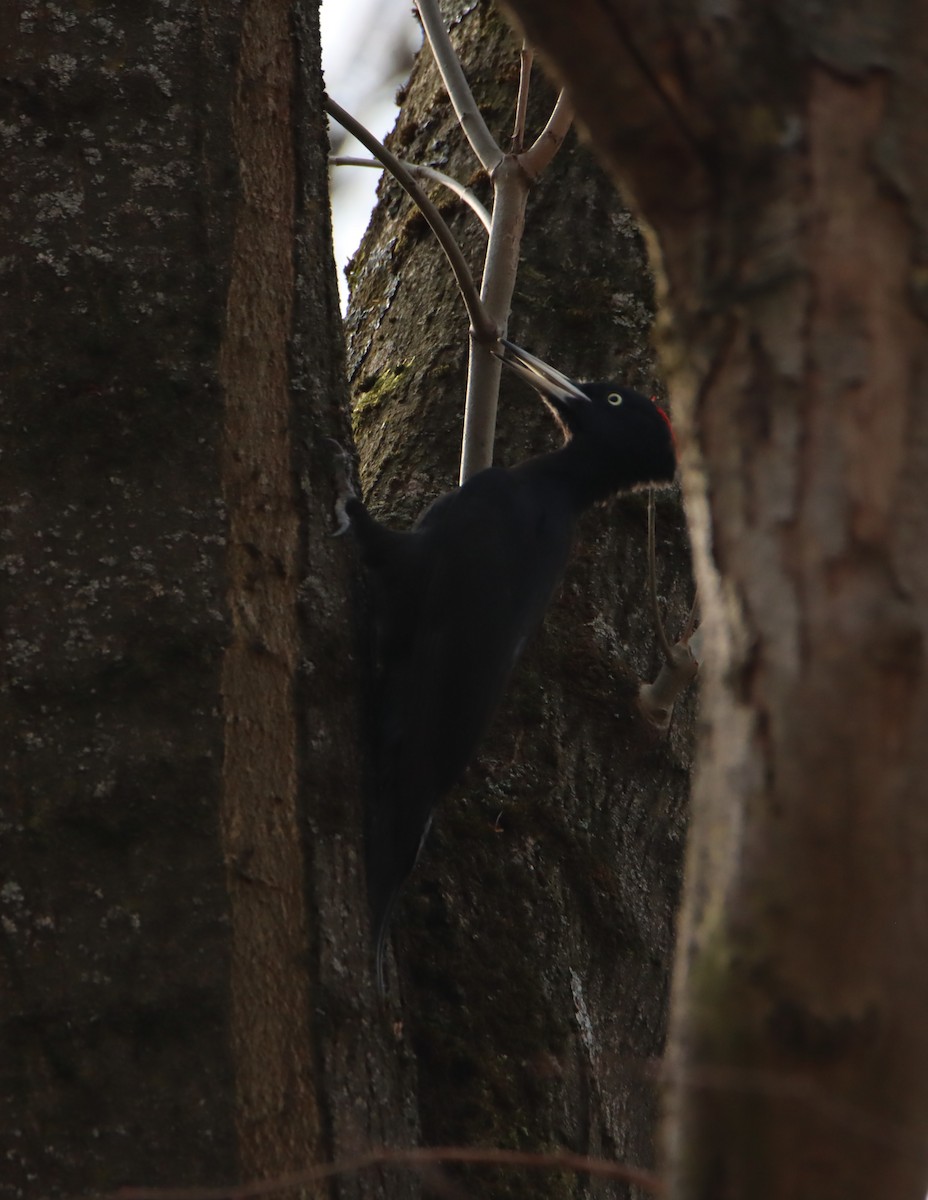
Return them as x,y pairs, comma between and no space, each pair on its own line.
548,142
416,1157
469,116
526,58
459,189
512,175
511,181
510,195
690,627
482,328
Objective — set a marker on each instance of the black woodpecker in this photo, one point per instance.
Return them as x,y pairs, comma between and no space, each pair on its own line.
456,598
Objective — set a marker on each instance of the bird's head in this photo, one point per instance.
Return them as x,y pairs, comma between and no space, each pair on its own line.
620,423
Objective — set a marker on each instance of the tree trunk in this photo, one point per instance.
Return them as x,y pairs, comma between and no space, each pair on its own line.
533,941
782,162
186,995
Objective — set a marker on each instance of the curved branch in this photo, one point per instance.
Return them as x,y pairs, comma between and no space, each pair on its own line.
482,328
459,189
419,1156
690,627
471,120
548,142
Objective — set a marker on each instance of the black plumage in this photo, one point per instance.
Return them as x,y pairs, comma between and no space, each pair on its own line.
455,599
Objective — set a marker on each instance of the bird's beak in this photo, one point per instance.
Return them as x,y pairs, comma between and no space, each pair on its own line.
551,383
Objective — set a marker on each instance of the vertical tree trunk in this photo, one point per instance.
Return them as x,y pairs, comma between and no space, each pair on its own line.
533,941
115,1062
781,161
185,995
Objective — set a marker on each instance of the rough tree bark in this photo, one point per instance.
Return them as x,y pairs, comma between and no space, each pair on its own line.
533,942
185,994
779,154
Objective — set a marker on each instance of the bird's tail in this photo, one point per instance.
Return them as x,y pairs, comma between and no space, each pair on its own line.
381,927
387,871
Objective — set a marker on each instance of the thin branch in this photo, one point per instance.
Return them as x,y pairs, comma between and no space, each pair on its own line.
652,584
549,141
459,189
416,1157
512,176
690,626
482,328
501,265
526,58
471,120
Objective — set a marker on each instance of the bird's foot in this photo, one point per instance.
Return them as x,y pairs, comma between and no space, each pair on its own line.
345,486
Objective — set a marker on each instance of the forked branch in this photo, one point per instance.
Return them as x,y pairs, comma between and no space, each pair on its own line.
511,174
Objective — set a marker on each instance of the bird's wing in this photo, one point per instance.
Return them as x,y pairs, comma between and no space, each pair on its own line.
482,565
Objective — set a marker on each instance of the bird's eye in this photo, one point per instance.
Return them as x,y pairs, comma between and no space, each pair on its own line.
614,398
